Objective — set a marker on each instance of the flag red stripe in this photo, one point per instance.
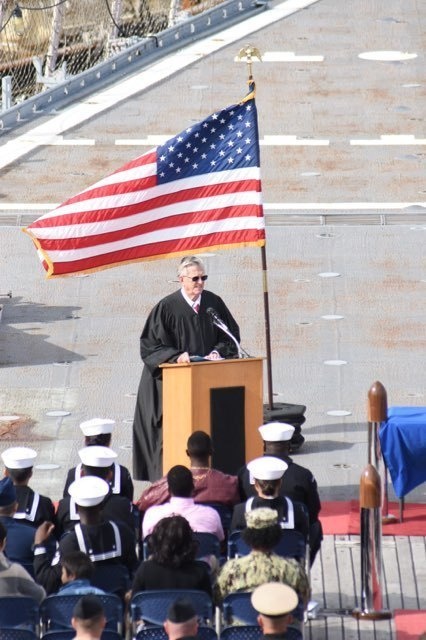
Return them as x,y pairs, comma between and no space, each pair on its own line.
211,215
247,237
101,215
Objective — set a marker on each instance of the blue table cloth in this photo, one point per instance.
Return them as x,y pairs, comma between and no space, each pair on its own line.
403,444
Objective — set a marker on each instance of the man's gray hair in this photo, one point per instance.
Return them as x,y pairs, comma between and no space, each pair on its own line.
190,261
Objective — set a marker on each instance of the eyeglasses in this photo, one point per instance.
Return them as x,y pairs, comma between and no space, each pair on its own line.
197,278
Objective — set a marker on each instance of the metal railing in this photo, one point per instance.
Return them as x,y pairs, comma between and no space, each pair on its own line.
44,42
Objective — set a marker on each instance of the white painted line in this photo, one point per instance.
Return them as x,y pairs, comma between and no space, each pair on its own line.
332,317
335,363
270,207
150,141
175,62
291,141
289,56
338,206
386,140
267,141
387,56
329,274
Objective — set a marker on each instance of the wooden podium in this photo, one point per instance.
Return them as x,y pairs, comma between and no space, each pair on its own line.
223,398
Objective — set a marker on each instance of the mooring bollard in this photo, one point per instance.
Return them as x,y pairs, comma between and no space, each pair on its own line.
377,414
371,547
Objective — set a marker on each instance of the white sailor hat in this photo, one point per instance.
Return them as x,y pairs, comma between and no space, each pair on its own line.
19,457
95,456
96,426
276,431
88,491
274,599
266,468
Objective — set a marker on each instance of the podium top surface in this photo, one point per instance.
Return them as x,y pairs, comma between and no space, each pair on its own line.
168,365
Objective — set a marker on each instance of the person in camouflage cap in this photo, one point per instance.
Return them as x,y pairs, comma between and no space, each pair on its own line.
261,565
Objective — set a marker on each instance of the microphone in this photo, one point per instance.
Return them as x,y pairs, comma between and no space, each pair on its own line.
216,319
213,314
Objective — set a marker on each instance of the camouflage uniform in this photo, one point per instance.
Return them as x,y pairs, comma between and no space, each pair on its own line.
248,572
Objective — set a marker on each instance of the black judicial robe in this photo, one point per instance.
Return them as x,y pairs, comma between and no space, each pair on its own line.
172,328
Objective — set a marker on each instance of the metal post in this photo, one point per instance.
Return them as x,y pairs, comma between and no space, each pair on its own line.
371,548
52,52
6,93
377,414
116,14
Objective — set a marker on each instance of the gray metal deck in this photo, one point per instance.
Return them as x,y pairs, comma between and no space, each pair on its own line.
72,345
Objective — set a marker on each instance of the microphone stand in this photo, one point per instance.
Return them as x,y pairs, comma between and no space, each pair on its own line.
241,352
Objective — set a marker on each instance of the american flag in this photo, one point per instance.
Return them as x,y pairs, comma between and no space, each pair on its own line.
199,190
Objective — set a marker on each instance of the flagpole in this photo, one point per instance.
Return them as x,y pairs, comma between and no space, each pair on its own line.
267,328
250,54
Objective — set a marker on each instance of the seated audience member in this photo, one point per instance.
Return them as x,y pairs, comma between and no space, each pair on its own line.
210,485
267,473
88,618
181,487
106,542
98,431
274,602
20,537
95,461
77,572
14,580
172,563
298,482
181,621
261,564
33,508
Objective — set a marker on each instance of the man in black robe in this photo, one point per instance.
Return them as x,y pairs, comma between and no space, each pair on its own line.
177,329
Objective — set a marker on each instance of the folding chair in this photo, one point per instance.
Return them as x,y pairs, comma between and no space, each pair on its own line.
241,632
56,612
237,607
292,544
13,633
19,611
208,545
69,634
111,578
150,607
158,633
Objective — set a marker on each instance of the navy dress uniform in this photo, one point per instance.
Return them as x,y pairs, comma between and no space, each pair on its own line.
108,543
298,483
98,431
33,508
97,461
20,537
291,515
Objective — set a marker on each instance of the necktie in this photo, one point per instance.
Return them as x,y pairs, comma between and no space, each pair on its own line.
196,307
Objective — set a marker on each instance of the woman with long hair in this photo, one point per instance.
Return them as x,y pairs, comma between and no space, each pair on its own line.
171,563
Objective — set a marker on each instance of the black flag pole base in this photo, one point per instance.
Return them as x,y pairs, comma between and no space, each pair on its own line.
291,414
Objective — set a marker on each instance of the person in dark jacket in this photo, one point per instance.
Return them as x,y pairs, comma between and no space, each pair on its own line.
298,483
172,563
20,537
33,508
107,543
267,473
98,432
95,461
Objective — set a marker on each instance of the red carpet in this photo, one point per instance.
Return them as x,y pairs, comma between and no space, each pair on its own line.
342,518
410,625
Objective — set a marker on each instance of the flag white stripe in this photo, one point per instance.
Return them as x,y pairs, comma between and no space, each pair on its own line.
135,173
163,235
244,198
135,197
